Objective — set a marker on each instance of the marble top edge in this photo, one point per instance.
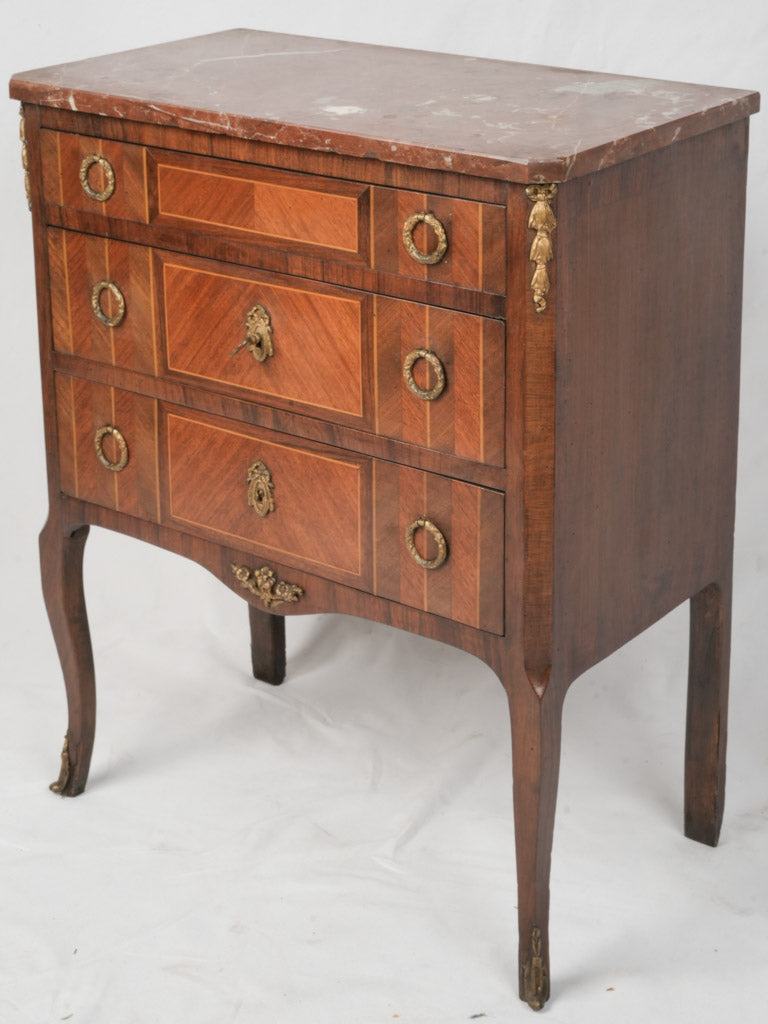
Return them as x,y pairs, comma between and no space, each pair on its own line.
474,114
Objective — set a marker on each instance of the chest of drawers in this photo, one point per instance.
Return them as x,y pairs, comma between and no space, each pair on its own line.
446,343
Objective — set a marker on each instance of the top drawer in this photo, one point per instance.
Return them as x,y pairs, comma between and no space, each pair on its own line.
434,238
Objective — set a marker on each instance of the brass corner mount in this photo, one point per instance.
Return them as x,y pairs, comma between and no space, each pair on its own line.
542,221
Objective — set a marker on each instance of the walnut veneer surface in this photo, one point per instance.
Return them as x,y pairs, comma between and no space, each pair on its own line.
466,364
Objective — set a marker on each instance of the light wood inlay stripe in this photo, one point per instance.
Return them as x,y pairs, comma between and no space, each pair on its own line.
73,428
478,554
60,175
67,291
116,476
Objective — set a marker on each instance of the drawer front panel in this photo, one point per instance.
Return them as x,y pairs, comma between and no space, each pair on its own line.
318,519
63,157
341,220
337,353
83,264
466,417
317,334
276,207
83,410
474,236
468,586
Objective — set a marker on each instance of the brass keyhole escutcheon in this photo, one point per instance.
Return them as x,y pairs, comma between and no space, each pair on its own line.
413,250
437,535
96,159
260,489
98,440
118,300
258,334
427,394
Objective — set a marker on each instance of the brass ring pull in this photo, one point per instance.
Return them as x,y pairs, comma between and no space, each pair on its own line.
98,441
413,249
438,369
109,176
258,335
436,533
96,292
260,489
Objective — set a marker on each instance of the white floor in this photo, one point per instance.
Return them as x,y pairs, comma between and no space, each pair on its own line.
340,849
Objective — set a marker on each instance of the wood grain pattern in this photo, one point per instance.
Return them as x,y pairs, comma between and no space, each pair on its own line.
277,155
475,256
282,208
77,263
62,155
61,563
177,391
241,252
320,593
647,404
580,463
464,420
706,727
321,498
329,375
538,446
468,587
267,645
83,407
320,335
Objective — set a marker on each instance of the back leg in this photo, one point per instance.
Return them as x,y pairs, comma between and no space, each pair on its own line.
707,718
267,645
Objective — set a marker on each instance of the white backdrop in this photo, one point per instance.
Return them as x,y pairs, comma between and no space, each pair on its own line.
341,849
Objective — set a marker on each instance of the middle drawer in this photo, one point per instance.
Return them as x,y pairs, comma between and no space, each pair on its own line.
421,374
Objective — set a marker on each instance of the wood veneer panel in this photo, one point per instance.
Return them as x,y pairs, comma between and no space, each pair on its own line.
284,209
321,498
475,255
465,419
320,334
62,156
320,594
443,182
468,587
648,384
231,250
83,407
78,262
286,421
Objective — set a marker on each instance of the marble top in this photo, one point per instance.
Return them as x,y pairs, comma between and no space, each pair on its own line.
517,122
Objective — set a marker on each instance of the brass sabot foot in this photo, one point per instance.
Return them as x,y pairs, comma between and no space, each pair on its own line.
535,987
66,769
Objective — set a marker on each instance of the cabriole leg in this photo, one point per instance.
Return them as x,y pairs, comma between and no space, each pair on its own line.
707,719
61,562
267,645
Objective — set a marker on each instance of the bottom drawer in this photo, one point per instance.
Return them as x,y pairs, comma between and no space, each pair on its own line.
468,585
108,446
295,501
417,538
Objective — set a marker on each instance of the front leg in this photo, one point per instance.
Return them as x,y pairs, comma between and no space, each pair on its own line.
536,732
61,563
